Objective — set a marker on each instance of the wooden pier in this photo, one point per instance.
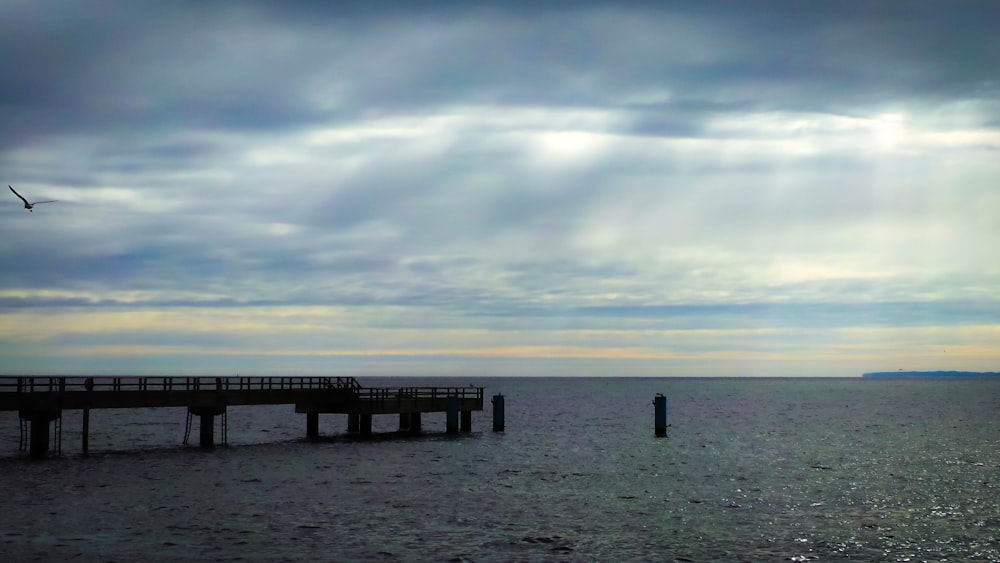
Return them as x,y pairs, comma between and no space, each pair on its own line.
41,401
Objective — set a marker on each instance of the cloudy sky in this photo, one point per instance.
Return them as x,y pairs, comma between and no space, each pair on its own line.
520,188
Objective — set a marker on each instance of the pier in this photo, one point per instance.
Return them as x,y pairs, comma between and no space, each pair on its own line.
41,401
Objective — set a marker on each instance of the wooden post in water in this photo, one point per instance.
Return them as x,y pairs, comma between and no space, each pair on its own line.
366,424
466,421
415,423
497,413
452,426
86,430
312,425
660,415
206,436
354,423
88,384
39,435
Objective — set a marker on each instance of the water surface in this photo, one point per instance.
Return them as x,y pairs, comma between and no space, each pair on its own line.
752,470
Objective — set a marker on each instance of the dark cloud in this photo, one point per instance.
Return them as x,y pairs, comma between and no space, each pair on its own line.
507,165
268,66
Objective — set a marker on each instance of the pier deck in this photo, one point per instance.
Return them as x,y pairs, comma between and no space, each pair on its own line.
41,400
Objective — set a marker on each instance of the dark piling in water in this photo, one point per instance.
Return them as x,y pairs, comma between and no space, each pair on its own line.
497,413
452,420
660,414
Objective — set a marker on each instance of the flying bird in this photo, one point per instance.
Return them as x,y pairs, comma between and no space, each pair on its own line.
29,205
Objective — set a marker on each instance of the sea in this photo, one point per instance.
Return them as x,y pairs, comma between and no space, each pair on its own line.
780,469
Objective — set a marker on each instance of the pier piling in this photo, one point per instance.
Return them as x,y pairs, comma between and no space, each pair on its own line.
497,413
40,416
660,414
39,436
312,425
86,430
452,426
206,429
88,385
206,437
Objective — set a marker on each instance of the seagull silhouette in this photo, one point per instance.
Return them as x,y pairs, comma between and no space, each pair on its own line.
28,205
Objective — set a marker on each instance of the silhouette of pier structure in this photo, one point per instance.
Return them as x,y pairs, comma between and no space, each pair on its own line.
41,401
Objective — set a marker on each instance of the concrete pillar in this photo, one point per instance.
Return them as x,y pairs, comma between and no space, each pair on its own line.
206,437
40,415
206,415
497,413
452,425
354,423
466,421
312,425
660,407
366,424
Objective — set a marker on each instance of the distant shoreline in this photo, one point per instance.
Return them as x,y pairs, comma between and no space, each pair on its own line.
877,374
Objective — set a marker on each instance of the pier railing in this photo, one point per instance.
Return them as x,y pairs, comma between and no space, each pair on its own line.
13,387
375,394
49,395
109,383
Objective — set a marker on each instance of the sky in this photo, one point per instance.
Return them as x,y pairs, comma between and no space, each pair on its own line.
729,188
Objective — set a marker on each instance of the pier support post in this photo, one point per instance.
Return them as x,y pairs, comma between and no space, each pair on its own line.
415,423
354,423
86,430
39,435
366,424
206,436
312,425
497,413
452,426
660,404
206,429
40,416
404,421
88,384
466,421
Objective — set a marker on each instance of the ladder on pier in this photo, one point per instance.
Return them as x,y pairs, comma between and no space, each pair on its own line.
187,427
25,434
224,423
